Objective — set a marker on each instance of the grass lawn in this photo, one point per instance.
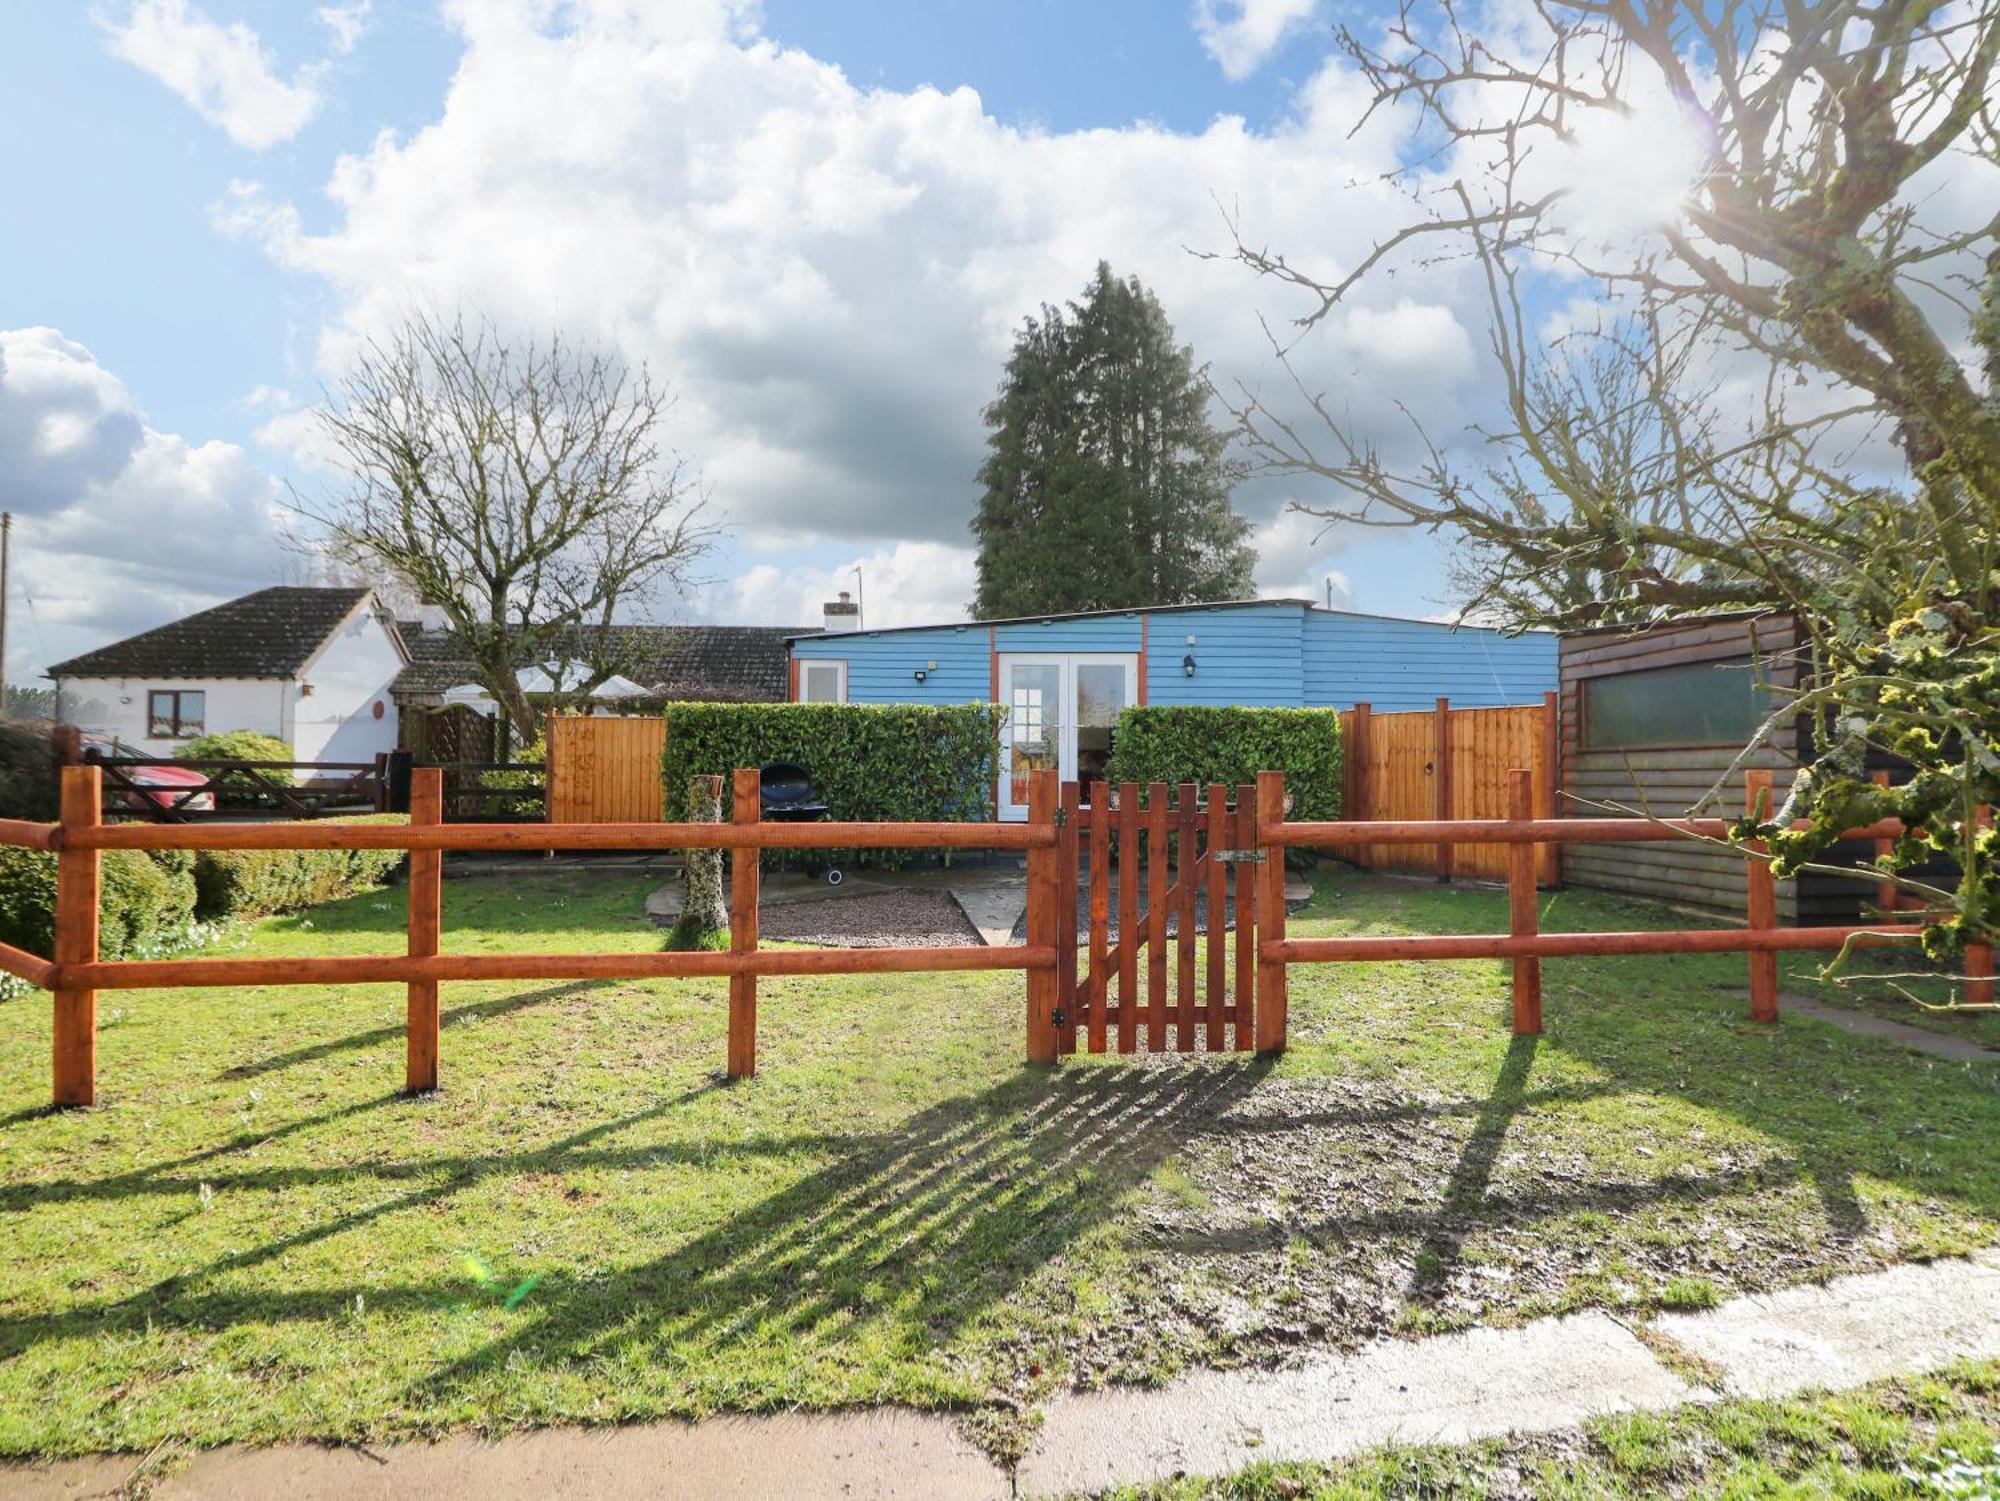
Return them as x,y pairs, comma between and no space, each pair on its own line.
1924,1436
255,1237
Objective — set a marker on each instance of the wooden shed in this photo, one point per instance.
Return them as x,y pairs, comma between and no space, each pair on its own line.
1650,720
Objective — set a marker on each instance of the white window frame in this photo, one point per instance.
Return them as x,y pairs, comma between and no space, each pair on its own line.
839,666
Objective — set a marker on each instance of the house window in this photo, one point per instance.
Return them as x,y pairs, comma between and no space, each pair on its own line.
174,713
1691,704
822,682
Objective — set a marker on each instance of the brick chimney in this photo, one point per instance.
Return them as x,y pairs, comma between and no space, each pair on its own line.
842,614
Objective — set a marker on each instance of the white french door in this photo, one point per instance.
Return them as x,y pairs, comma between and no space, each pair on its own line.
1061,708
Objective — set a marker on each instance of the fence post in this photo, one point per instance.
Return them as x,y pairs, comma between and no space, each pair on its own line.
1523,920
1271,997
746,807
1552,852
1762,902
1068,817
420,1047
1441,760
1044,925
1979,956
1356,808
77,890
1887,896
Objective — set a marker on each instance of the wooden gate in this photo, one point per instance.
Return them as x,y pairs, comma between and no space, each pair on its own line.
1180,850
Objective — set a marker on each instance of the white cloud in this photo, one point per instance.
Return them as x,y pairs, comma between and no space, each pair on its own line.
347,23
831,276
1294,554
907,583
118,526
225,72
1240,34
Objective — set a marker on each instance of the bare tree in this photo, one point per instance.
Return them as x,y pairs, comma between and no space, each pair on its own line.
523,489
1702,447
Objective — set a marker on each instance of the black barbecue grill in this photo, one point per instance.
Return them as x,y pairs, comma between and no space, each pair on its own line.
790,797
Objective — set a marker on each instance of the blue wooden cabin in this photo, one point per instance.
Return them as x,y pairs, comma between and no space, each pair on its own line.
1065,678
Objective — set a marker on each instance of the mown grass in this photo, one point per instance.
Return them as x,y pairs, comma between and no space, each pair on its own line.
255,1237
1924,1436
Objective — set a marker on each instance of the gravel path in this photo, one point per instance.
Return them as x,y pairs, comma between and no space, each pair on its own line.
893,919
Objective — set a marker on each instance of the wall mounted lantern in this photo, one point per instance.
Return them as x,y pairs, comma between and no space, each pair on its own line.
1187,665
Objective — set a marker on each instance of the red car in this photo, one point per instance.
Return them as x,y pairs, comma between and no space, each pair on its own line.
160,783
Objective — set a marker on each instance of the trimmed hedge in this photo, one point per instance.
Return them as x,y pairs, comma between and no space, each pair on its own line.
1193,743
927,762
256,883
144,900
237,745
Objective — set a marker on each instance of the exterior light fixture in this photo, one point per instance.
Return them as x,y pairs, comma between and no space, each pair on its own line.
921,674
1187,665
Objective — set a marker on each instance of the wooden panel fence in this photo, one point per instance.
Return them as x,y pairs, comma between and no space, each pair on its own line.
605,769
1447,763
1062,997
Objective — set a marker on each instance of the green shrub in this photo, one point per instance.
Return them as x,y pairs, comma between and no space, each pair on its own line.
255,883
868,761
1191,743
144,901
237,745
533,755
28,777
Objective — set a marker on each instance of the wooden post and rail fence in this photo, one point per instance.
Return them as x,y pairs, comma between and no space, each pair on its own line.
1081,967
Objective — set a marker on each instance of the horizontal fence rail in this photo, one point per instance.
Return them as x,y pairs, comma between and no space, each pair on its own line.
1221,849
77,972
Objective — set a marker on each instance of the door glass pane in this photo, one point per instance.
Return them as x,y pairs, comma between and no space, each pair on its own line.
1100,698
1034,730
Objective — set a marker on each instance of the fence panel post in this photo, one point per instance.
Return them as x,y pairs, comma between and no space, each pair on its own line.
1523,920
1271,996
1355,763
1156,917
420,1046
1762,903
1441,760
746,807
78,878
1979,956
1100,912
1044,923
1128,916
1185,853
1552,852
1068,814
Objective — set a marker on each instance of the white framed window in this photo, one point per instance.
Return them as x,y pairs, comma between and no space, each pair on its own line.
822,681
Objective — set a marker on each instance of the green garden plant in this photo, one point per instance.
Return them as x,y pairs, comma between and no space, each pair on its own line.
1203,744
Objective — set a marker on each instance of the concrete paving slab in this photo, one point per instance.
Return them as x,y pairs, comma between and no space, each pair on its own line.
1455,1387
1852,1330
891,1453
1861,1024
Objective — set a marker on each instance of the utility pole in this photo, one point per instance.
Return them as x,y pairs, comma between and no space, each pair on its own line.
6,535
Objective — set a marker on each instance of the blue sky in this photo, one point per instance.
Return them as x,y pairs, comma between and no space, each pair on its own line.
169,221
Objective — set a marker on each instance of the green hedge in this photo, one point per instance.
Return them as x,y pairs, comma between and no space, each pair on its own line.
237,745
868,761
145,901
28,773
1189,743
255,883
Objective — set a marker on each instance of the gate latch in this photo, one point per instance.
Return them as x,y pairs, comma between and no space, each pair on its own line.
1059,1018
1240,857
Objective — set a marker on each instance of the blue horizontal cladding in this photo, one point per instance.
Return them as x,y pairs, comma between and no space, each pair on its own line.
1393,665
1250,655
1089,633
882,669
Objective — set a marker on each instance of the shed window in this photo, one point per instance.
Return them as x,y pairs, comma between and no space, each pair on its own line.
1692,703
822,682
174,713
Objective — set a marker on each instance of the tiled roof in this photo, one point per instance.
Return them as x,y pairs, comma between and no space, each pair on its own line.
731,663
269,634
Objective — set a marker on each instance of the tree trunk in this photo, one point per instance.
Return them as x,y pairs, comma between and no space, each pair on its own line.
704,919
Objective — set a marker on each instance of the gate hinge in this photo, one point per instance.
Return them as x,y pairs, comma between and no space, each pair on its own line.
1240,857
1059,1018
1061,817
